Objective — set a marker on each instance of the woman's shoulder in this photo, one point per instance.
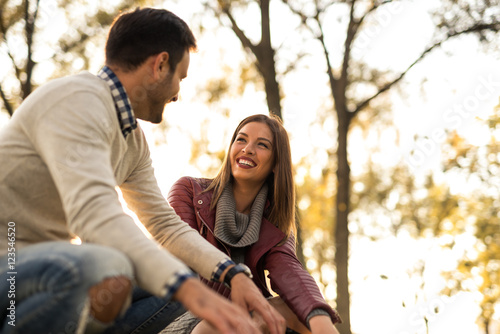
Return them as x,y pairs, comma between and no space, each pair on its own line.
189,180
190,184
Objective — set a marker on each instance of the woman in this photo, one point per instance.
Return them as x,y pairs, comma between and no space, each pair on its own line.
247,211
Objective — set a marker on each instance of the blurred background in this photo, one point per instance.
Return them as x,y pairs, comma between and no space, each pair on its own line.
392,108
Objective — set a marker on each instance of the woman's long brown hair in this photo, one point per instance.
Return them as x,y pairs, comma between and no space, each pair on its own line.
281,192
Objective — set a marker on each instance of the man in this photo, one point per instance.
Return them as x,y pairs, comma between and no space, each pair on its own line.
62,154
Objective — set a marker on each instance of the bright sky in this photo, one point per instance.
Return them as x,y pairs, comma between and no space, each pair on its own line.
458,90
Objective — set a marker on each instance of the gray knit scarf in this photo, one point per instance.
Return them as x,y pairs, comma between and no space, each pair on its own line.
234,228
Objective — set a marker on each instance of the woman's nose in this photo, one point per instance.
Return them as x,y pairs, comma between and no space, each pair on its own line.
248,149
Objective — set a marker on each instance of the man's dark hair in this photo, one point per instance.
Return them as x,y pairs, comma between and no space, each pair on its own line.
144,32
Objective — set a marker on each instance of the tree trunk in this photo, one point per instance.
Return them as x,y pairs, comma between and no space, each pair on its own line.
263,52
273,95
30,19
266,64
341,226
299,249
267,68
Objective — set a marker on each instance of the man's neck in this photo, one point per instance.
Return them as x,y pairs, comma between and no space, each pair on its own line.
135,83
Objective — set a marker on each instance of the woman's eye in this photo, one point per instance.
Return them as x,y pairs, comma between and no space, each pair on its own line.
264,145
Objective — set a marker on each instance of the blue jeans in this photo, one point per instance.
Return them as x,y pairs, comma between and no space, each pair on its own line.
51,281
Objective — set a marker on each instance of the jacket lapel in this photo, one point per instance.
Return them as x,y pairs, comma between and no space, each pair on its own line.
269,236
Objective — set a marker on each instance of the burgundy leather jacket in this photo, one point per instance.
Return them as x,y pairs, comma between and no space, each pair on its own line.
287,276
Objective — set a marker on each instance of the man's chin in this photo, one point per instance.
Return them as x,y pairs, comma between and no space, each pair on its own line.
156,118
150,120
157,121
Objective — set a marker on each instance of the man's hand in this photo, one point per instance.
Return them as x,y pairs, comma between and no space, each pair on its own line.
247,295
204,303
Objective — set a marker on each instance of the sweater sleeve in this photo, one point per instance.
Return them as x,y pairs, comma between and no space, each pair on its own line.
73,135
143,196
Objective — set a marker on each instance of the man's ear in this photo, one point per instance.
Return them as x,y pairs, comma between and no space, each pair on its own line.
161,65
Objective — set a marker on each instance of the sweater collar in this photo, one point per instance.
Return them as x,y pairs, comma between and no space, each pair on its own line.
236,229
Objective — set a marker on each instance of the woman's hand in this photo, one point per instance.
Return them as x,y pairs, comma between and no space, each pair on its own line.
322,324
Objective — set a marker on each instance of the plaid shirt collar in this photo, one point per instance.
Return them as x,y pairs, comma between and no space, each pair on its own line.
122,102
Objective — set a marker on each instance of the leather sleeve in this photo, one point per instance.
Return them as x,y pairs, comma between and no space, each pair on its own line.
180,198
293,283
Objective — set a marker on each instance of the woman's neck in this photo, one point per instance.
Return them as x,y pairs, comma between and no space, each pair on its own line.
244,196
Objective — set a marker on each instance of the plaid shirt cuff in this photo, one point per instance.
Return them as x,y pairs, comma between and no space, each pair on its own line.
219,269
174,284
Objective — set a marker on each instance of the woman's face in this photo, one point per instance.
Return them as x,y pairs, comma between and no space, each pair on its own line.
251,154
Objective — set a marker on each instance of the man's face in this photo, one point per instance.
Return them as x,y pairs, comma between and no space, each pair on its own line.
167,90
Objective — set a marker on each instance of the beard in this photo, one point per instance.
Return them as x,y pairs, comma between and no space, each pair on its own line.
159,96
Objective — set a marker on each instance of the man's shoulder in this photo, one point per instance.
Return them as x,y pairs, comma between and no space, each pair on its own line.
66,87
82,81
76,101
71,84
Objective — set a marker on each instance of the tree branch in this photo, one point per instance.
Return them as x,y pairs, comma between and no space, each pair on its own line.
3,30
480,27
29,21
352,28
6,102
372,9
329,68
320,38
303,17
239,33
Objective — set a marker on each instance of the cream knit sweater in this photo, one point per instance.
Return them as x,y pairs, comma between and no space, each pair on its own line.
61,156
